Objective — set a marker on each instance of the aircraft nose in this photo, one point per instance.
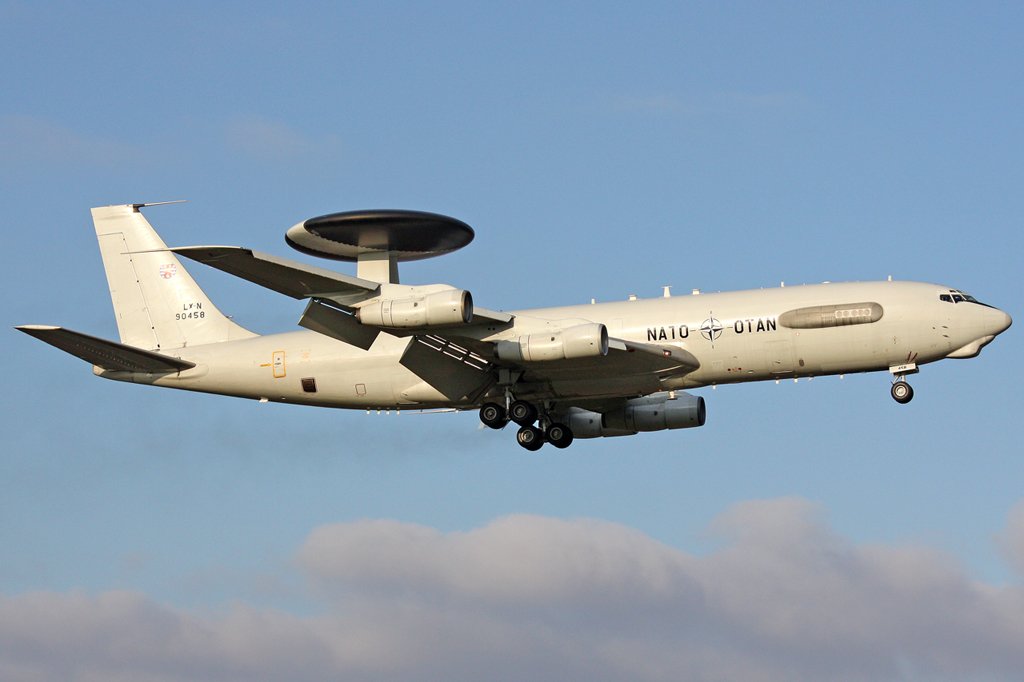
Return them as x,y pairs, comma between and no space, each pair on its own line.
1000,322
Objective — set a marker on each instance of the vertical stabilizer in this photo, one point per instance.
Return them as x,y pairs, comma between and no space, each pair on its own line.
157,304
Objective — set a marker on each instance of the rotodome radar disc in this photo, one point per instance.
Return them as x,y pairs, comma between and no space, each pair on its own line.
408,235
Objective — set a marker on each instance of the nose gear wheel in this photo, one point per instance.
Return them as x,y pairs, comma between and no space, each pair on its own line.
901,391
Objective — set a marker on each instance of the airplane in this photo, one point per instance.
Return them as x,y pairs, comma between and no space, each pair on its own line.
559,374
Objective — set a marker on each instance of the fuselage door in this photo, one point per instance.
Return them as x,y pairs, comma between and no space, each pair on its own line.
779,357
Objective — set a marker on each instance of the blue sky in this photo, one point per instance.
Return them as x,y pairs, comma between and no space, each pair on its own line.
598,150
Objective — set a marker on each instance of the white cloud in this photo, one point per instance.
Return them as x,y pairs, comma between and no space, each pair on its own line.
1012,539
27,140
516,558
273,140
528,597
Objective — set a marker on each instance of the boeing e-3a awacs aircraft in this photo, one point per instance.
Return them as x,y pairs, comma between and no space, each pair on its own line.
587,371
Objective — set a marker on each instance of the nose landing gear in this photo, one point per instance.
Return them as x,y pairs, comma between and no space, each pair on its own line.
901,391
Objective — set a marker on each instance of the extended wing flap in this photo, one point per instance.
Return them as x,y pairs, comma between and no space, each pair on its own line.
454,371
330,321
282,275
106,354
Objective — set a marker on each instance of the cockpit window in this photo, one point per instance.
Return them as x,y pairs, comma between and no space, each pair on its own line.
957,296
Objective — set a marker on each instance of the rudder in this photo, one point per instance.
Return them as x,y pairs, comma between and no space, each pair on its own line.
157,304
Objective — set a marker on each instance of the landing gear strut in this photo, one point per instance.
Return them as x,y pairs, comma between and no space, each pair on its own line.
901,391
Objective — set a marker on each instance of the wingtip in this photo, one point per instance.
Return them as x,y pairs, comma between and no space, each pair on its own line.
35,327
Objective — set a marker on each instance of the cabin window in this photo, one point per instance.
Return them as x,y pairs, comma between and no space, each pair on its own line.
946,297
308,385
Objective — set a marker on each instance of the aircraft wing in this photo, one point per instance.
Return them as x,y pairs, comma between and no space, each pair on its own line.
462,367
282,275
306,281
663,360
627,363
452,359
106,354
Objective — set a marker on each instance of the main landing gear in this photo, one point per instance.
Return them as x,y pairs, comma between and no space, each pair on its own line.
525,414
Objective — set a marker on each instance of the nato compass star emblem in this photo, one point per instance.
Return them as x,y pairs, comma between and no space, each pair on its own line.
711,329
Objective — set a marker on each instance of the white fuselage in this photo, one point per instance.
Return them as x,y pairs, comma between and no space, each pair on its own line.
736,336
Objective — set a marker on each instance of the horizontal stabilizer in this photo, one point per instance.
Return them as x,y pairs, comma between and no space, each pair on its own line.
109,355
282,275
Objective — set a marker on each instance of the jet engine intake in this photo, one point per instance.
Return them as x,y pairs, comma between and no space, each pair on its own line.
581,341
443,308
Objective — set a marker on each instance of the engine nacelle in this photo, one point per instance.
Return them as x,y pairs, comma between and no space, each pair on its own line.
581,341
658,412
587,424
653,413
454,306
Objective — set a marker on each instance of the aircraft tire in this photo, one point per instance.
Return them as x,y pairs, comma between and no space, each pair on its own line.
902,392
559,435
530,438
493,415
522,413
